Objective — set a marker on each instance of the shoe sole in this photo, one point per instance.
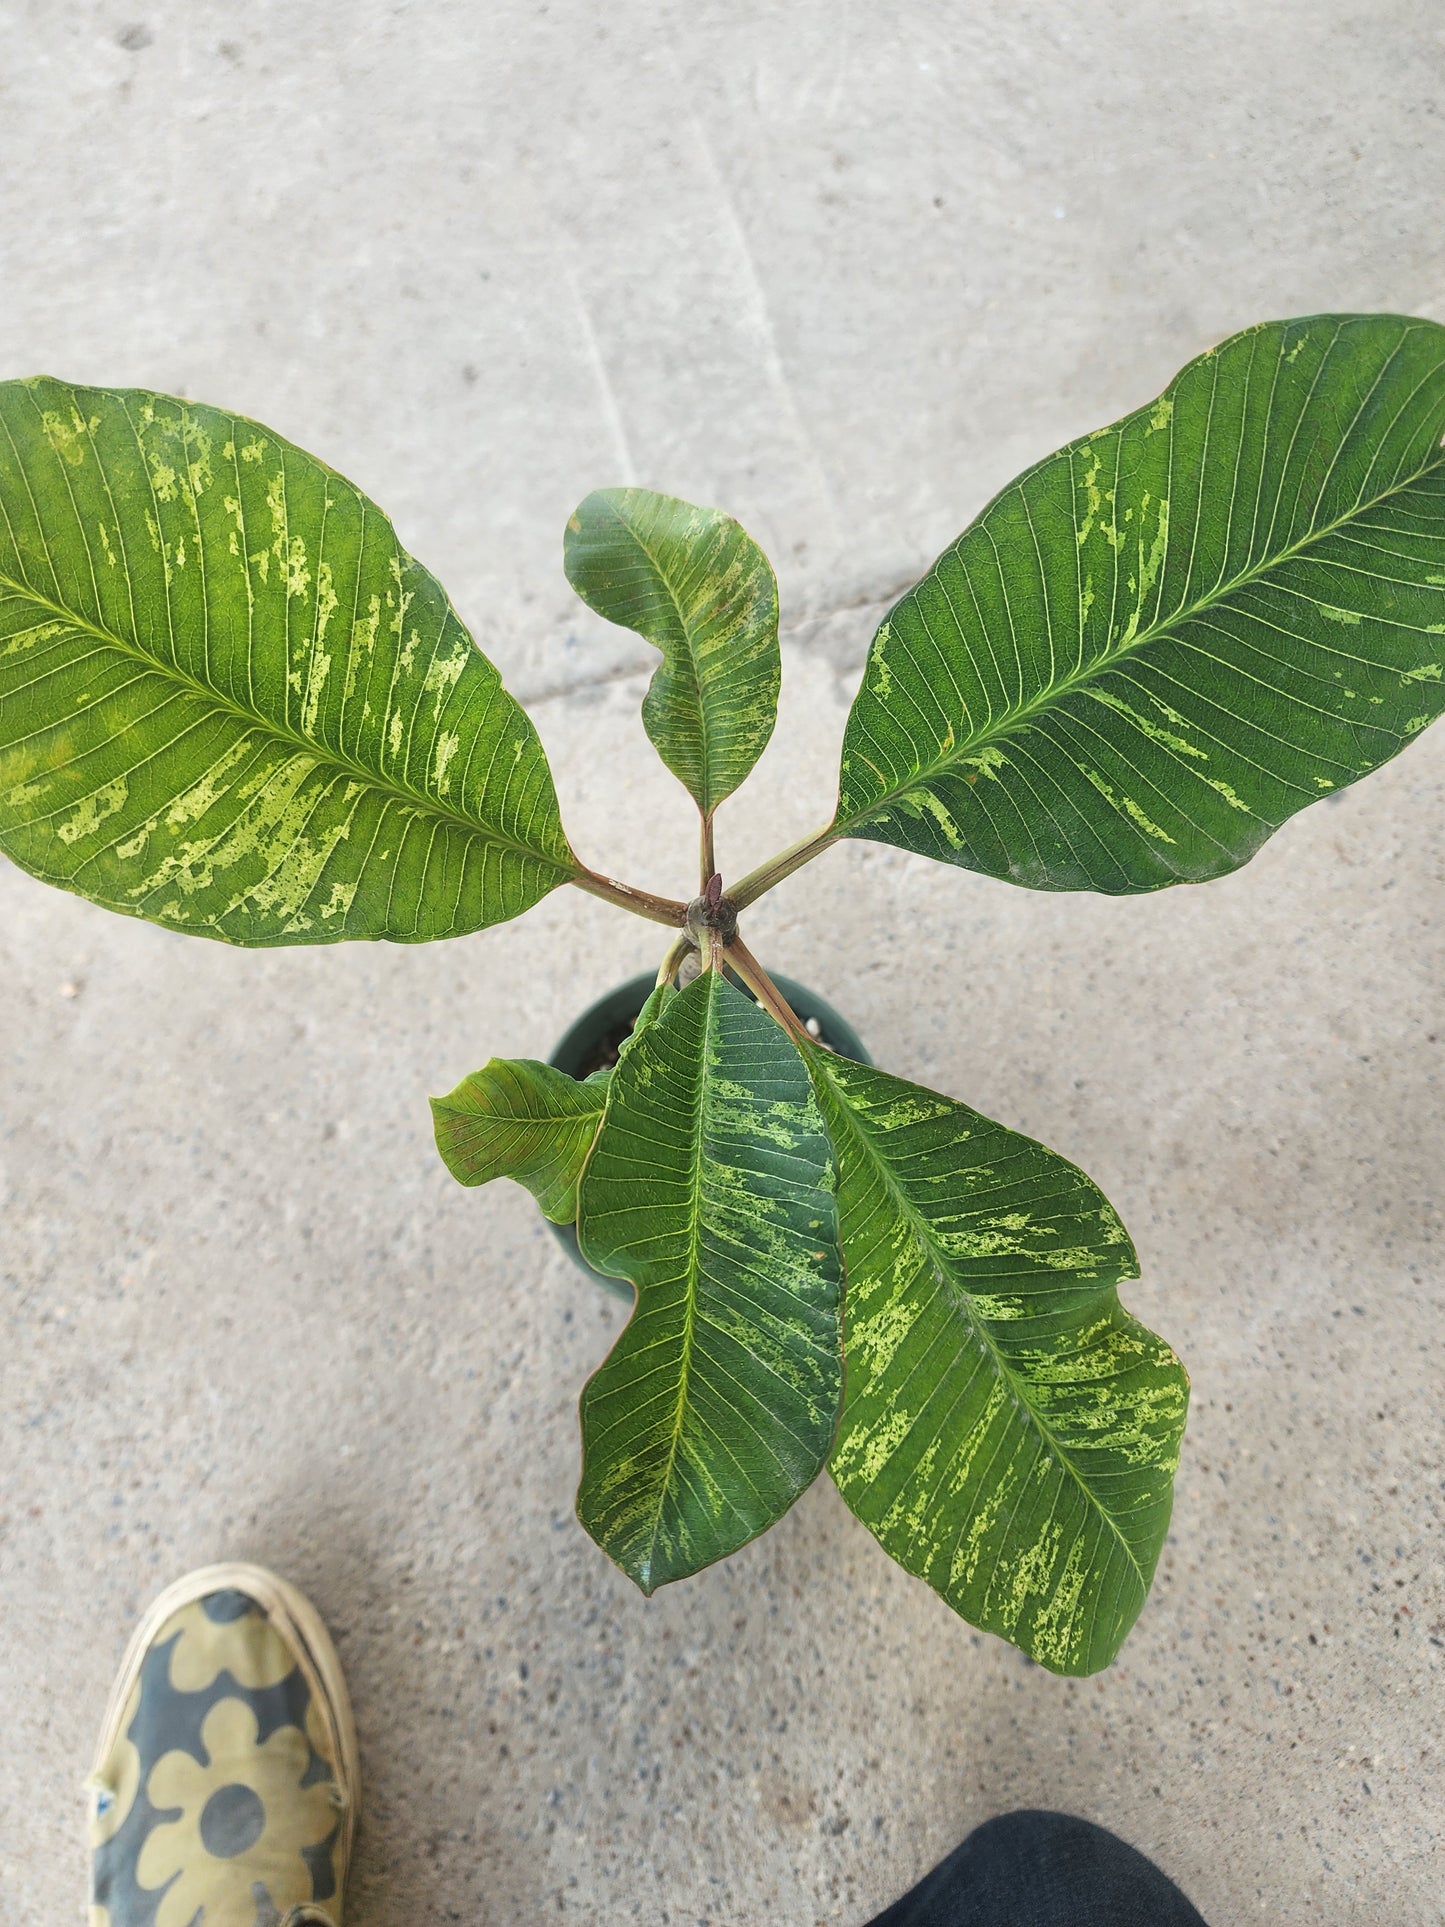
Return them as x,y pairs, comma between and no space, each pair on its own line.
299,1623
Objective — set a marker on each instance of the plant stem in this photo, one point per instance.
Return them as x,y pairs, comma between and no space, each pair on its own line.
709,861
642,903
742,960
677,951
782,865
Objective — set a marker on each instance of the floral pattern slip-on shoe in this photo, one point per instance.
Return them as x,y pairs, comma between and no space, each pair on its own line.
226,1782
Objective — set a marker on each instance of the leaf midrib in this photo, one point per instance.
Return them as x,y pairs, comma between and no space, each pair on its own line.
684,1377
1103,665
253,719
493,1112
705,802
923,1232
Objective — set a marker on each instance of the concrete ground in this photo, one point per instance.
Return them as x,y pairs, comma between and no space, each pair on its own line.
843,270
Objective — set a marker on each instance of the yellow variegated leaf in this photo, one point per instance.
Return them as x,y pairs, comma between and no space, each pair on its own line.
710,1188
695,584
1156,645
1009,1433
231,702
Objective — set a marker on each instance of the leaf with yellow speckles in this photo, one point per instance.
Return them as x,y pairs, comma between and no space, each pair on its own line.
711,1189
696,585
1156,645
231,702
1009,1433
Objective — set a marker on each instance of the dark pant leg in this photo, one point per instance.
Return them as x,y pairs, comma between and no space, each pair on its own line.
1042,1870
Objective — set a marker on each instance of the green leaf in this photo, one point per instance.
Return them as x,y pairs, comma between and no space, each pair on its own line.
516,1118
657,1002
1010,1433
1157,645
697,586
230,701
710,1187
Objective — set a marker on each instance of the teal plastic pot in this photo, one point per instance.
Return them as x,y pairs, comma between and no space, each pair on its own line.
594,1038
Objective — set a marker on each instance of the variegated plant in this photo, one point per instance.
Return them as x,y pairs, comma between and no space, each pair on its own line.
230,702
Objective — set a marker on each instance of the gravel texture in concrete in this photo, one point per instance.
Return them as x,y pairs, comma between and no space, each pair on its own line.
842,270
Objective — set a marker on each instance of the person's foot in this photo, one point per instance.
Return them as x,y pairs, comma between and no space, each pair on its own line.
226,1782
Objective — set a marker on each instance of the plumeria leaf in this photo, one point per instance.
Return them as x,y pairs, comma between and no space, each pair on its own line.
231,702
710,1188
1010,1433
1158,644
696,585
516,1118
